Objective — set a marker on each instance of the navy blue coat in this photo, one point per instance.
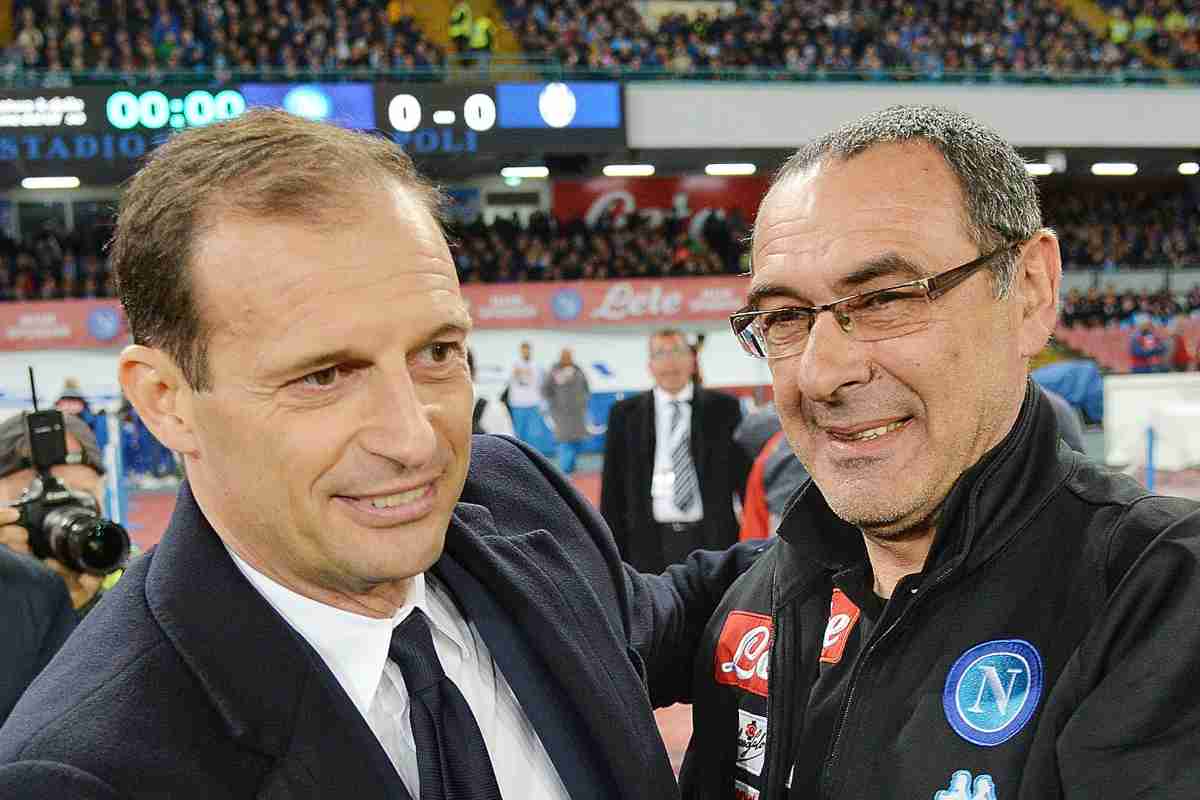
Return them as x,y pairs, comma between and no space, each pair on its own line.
35,619
185,683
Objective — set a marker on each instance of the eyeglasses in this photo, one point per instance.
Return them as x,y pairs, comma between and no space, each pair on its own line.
868,317
670,352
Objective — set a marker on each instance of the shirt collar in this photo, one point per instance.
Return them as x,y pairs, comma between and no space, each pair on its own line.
353,646
663,398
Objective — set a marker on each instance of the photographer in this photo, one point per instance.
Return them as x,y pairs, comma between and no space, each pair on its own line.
83,472
36,614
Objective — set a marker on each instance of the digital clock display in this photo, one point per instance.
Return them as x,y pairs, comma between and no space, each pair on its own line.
155,110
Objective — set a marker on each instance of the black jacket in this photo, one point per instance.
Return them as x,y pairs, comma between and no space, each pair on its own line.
1077,588
35,619
721,465
185,683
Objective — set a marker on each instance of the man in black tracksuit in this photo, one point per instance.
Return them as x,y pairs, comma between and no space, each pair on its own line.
959,606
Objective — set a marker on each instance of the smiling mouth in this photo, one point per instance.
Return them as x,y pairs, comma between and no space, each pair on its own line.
392,500
869,433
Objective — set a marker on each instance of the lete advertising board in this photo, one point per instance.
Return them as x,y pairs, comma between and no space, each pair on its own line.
86,324
587,304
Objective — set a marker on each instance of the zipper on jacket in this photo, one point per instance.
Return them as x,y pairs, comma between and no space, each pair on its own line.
779,715
832,759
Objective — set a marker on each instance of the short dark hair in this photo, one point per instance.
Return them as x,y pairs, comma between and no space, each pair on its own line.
267,164
1000,197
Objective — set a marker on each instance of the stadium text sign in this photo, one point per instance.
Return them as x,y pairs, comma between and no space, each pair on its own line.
584,304
64,324
86,324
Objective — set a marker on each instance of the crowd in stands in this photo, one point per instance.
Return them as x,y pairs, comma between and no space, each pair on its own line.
1102,308
1097,231
1169,29
1111,229
292,37
929,38
617,246
53,263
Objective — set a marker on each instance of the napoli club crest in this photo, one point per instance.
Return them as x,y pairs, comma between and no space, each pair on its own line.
993,690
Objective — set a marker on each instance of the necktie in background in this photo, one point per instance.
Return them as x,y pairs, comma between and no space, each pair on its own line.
686,481
452,759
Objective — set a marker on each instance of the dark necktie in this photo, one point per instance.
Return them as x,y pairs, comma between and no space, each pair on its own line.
452,760
681,461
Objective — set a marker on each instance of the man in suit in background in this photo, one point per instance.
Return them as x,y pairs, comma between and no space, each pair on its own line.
347,603
671,466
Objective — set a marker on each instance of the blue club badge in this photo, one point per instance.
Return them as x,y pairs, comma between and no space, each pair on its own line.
104,324
566,304
993,691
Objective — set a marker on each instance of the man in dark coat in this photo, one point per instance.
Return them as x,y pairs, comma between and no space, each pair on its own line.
347,599
671,466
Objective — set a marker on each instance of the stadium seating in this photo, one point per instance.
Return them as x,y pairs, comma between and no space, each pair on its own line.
113,37
1034,38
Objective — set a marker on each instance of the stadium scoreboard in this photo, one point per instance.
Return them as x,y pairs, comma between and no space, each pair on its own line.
100,134
503,118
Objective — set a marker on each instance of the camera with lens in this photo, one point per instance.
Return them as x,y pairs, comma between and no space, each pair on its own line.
65,524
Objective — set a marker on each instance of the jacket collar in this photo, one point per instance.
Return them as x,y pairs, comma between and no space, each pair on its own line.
215,620
989,504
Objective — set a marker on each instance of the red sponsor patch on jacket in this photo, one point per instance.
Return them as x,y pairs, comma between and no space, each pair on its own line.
842,616
743,651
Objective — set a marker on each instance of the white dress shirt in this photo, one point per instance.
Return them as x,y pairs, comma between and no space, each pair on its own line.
355,648
662,487
525,384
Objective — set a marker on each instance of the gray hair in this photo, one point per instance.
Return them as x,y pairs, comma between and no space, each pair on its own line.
1001,201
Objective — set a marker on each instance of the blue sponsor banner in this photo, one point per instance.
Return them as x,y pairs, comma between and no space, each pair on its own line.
351,105
559,105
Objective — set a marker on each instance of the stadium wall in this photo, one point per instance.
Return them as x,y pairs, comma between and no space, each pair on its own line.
760,115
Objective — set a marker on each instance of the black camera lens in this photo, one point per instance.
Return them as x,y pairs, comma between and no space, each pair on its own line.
86,542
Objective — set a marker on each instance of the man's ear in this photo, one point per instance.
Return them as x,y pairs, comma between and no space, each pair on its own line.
156,387
1037,280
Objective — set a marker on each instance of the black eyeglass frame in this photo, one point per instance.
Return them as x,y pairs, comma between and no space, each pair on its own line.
935,286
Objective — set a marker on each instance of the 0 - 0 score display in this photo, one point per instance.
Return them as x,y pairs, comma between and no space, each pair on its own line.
478,113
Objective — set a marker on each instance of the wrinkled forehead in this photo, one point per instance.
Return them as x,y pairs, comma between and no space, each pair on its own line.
894,199
911,174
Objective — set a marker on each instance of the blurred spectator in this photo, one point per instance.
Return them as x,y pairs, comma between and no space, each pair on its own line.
1147,348
774,479
483,38
1179,354
488,416
459,28
566,391
523,395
